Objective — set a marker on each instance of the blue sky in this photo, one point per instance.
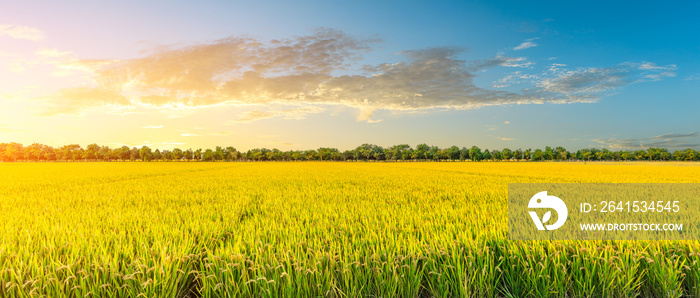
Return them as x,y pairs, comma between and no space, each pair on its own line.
306,74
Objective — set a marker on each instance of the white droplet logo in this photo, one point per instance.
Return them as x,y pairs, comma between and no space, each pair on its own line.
542,200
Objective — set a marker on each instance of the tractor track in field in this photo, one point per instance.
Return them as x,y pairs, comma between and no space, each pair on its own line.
193,290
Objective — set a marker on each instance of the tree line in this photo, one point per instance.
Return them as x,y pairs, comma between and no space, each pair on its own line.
12,152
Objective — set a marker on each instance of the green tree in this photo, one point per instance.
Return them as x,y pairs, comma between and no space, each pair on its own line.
310,155
157,155
561,153
625,155
475,153
188,154
48,152
232,153
433,153
327,153
167,155
548,153
219,153
347,155
90,152
133,153
399,152
14,151
463,153
145,153
364,152
518,154
587,155
506,154
123,153
486,155
105,153
177,154
538,155
209,155
453,153
421,151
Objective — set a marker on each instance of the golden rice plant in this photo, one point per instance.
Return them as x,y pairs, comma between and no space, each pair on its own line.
329,229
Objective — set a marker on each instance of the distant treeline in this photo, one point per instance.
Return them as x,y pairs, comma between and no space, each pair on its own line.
10,152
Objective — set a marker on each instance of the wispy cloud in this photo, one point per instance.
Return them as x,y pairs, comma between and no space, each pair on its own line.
592,83
119,144
8,129
586,84
586,81
190,135
670,140
653,72
62,64
223,133
512,61
47,53
21,32
153,126
526,44
255,115
172,144
516,77
293,113
695,77
282,143
675,136
73,100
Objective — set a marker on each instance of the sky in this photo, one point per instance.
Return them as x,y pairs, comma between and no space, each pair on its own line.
309,74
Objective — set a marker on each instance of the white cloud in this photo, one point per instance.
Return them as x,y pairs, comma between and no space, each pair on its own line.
51,53
517,77
528,43
75,100
514,61
295,77
594,82
21,32
653,72
669,140
223,133
64,63
297,113
172,143
586,80
695,77
653,66
525,45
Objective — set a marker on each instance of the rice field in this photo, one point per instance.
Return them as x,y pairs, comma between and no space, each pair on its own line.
302,229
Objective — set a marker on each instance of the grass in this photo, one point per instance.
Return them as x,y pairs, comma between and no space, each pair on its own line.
314,229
